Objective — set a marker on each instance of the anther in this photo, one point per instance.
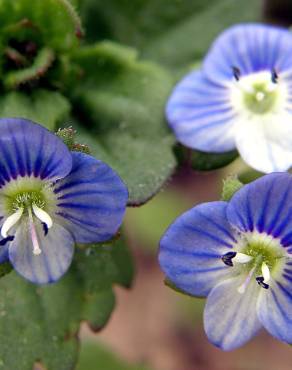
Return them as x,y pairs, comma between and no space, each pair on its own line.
45,228
227,258
274,76
260,281
236,73
6,240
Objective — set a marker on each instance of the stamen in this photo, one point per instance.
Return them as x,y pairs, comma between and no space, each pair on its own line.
45,228
260,281
274,76
10,222
242,288
236,73
42,216
227,258
6,240
36,247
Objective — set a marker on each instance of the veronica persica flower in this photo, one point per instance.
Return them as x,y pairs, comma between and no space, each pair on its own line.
50,199
241,98
239,254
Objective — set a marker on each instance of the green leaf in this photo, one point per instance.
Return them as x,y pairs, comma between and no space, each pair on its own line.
202,161
41,64
51,23
45,107
94,353
40,324
122,101
174,33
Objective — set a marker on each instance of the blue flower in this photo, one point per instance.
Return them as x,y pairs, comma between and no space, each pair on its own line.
239,254
50,199
241,98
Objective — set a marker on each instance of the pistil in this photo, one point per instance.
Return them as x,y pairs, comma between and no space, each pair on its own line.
36,247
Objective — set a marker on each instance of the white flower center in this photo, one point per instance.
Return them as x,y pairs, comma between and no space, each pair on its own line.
27,204
258,93
257,255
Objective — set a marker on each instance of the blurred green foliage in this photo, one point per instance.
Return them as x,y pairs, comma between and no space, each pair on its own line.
94,356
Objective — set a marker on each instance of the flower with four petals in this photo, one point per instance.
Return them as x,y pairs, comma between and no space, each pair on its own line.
50,199
239,254
240,99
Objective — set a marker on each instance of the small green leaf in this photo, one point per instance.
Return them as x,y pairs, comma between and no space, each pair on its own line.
230,186
40,323
202,161
122,101
45,107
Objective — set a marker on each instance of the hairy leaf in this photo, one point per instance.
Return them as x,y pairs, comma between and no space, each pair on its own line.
121,101
40,324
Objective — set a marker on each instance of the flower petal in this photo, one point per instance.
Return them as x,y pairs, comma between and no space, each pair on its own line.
91,200
54,260
263,205
230,318
27,148
274,307
261,142
250,48
201,115
191,249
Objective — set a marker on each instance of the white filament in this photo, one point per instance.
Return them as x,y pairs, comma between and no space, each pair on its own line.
266,272
42,216
242,258
242,288
11,221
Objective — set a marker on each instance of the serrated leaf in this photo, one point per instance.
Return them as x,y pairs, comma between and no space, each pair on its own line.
172,33
45,107
122,100
39,324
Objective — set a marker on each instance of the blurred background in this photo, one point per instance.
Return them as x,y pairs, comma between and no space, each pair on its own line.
153,327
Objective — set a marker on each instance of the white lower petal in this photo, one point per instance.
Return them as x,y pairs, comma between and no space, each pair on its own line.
57,252
275,308
230,318
259,150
